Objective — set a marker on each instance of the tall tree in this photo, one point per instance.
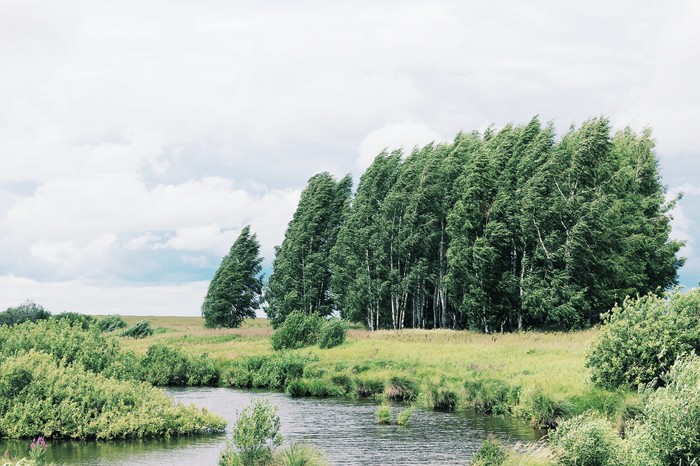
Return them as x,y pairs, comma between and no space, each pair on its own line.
301,274
235,292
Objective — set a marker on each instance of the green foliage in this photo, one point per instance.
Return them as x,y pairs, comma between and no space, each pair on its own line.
75,319
401,388
140,329
404,418
491,396
383,414
66,343
167,365
111,323
587,440
490,453
255,435
301,276
320,388
642,339
368,387
28,311
670,433
443,399
298,330
39,396
543,411
273,371
299,454
344,382
235,292
332,333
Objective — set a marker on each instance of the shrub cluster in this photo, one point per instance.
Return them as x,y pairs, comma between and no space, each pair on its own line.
40,396
273,371
643,338
140,329
166,365
76,319
300,330
587,440
111,323
28,311
490,453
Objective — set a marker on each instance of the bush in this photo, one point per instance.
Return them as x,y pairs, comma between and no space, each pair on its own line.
366,387
587,440
58,338
75,319
298,330
492,396
140,329
671,430
165,365
344,382
255,435
333,333
29,311
273,371
401,389
383,414
443,399
111,323
42,397
542,411
490,453
641,340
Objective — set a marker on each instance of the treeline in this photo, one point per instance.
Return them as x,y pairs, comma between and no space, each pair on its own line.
495,231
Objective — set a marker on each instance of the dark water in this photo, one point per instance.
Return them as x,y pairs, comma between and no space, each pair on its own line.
344,429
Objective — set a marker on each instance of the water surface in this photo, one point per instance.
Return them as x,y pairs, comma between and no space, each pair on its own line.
344,429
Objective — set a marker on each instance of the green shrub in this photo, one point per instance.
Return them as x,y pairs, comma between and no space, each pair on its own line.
670,433
298,330
273,371
255,435
75,319
491,396
314,371
62,341
404,418
323,388
401,388
587,440
111,323
344,382
383,414
641,340
125,365
298,388
40,396
166,365
542,411
367,387
443,399
333,333
140,329
29,311
490,453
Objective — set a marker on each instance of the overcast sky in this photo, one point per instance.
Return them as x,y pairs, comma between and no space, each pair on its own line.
138,138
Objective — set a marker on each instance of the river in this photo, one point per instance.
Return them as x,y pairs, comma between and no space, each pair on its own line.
344,429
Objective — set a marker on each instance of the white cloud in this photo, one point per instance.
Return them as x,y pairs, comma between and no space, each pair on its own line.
406,135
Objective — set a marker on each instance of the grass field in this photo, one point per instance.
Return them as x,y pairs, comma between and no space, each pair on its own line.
551,364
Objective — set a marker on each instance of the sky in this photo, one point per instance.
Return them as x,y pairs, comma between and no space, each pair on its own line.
137,139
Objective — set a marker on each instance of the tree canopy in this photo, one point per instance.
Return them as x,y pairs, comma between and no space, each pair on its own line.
495,231
235,292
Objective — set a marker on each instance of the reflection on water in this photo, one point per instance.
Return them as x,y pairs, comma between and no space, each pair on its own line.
344,429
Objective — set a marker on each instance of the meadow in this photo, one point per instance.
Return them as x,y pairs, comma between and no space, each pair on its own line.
539,376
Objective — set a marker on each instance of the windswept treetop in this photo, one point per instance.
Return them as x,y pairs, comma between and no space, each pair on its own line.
500,230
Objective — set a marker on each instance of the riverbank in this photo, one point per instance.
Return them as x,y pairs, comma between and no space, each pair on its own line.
538,376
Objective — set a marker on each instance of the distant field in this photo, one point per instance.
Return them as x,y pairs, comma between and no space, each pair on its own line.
553,363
